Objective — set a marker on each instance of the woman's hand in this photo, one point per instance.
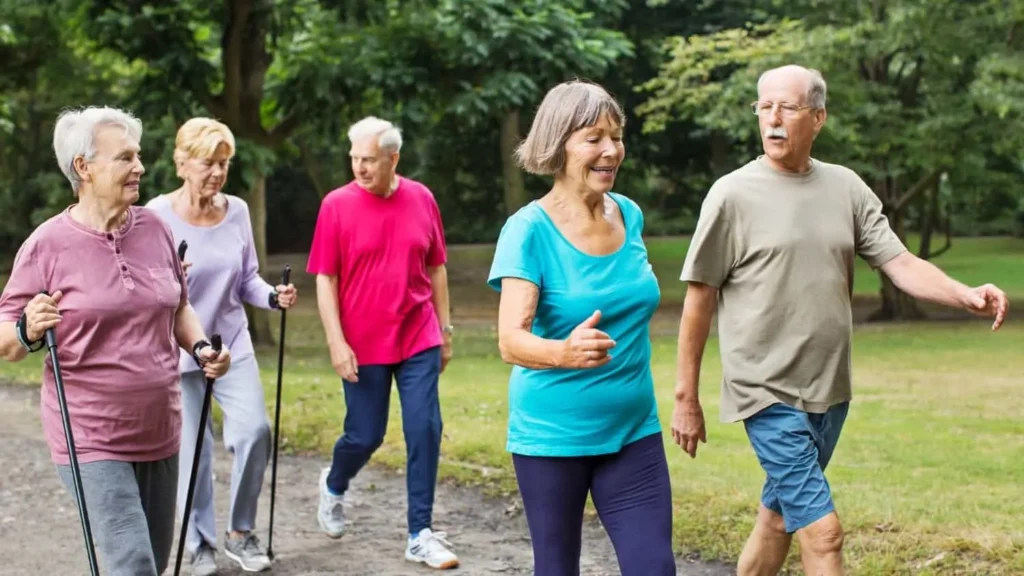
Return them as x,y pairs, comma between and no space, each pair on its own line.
586,346
41,314
286,295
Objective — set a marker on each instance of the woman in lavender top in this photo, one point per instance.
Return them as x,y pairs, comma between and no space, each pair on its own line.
222,274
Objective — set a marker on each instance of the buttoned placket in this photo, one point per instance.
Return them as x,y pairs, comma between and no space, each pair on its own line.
114,241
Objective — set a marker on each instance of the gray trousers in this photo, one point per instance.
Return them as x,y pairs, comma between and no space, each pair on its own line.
246,435
131,513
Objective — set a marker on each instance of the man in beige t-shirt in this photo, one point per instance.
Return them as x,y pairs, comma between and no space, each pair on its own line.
774,252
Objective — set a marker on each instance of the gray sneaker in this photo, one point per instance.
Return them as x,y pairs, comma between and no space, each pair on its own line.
204,562
247,551
331,511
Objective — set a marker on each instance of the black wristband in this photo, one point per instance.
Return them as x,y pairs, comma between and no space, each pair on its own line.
21,329
195,351
272,299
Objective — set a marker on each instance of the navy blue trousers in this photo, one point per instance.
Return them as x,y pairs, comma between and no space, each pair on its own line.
633,497
367,404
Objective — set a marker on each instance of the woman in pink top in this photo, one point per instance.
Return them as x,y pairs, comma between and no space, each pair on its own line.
120,310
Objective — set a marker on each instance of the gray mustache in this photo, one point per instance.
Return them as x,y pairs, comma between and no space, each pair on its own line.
777,131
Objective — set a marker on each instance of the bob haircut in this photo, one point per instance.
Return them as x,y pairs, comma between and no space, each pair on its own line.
568,107
201,138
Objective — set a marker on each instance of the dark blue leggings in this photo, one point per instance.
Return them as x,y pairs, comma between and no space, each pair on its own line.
633,497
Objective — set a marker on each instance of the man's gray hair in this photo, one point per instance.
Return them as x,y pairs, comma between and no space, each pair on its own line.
818,90
75,135
389,136
568,107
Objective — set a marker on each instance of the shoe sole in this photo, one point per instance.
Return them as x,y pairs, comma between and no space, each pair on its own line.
442,566
332,535
238,560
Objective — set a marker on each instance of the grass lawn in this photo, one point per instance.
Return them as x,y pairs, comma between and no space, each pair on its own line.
928,475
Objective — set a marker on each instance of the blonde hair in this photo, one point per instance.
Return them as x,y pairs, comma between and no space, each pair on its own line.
201,138
566,108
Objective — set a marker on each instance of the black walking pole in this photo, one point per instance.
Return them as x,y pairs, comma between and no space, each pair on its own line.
215,343
277,418
76,473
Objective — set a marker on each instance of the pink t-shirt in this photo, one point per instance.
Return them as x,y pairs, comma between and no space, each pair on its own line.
380,249
116,345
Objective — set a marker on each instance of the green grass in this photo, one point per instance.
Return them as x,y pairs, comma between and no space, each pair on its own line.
927,476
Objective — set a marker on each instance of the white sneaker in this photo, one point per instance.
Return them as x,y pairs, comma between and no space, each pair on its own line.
331,512
430,548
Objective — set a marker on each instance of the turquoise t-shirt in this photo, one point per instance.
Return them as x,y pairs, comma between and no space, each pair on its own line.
588,411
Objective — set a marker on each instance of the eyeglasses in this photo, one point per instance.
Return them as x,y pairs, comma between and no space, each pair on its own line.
764,108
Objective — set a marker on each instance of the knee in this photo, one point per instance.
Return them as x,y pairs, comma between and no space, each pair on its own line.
771,522
256,435
824,537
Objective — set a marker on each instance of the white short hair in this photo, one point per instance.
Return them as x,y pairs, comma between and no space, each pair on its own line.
816,93
389,137
75,132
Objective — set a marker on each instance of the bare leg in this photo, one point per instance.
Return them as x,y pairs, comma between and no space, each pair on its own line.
767,547
821,545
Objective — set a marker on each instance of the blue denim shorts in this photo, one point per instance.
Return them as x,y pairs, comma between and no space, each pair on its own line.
794,447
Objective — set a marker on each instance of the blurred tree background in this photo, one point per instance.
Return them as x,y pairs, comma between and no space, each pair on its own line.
926,99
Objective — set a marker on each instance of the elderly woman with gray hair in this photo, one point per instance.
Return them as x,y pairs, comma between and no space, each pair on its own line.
577,294
119,304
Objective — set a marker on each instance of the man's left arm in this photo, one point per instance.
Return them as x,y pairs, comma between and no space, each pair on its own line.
925,281
437,258
439,298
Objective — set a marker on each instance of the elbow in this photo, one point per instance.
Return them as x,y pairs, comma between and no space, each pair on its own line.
505,349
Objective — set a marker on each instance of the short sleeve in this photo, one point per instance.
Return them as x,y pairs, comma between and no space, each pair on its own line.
877,243
713,247
515,254
179,271
24,283
437,254
325,253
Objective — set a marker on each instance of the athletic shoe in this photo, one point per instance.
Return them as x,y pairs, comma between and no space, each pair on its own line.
331,512
430,548
247,551
204,561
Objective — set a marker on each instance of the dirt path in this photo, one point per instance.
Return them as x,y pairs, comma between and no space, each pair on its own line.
40,532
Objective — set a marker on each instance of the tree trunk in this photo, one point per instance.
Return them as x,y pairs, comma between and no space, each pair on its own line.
259,319
719,153
929,225
931,215
896,304
515,189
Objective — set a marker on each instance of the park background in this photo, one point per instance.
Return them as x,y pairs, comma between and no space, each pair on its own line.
925,101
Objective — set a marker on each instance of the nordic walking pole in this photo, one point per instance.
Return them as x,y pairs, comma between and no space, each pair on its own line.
76,473
215,343
277,417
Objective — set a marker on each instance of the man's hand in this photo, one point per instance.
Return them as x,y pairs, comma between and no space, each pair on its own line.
41,314
215,365
446,350
344,361
988,300
688,425
185,265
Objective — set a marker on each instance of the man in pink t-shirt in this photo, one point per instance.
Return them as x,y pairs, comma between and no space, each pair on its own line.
379,257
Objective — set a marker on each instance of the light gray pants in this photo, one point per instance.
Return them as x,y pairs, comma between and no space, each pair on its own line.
246,435
131,513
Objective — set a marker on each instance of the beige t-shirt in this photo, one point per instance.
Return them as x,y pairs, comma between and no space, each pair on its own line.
780,248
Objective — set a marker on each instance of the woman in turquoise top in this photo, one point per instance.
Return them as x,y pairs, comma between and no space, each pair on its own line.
577,294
